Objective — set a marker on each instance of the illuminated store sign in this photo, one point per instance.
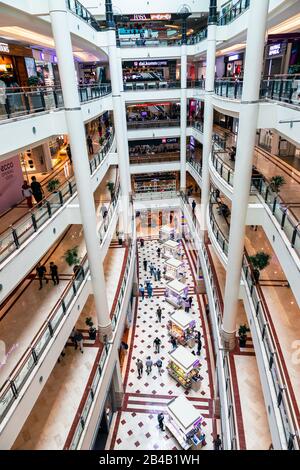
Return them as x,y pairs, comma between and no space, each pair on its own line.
151,17
4,47
149,63
233,57
275,49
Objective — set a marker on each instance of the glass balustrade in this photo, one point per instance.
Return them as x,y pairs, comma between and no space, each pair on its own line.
152,85
12,238
233,12
79,10
229,88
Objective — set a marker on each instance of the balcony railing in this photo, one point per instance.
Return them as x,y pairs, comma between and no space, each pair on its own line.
153,123
82,418
31,100
198,37
155,158
236,10
30,360
150,42
196,165
22,229
284,401
196,84
151,85
278,208
152,195
75,7
110,213
227,88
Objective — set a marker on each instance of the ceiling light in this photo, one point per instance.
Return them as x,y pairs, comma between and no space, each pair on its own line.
15,32
287,26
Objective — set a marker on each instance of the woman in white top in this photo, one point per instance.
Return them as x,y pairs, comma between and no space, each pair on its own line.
27,193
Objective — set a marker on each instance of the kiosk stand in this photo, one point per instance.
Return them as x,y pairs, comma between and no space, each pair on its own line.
174,269
166,233
182,328
185,368
170,249
175,292
184,422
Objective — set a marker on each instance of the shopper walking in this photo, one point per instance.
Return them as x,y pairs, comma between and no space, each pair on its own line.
142,291
54,273
159,365
150,290
173,342
158,251
151,268
37,190
149,365
199,346
145,264
157,343
27,193
158,272
41,272
68,150
79,340
142,242
158,314
90,144
104,211
160,419
194,206
155,274
186,305
190,300
140,367
217,443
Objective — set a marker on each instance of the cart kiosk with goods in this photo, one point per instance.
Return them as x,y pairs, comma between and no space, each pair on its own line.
166,233
175,292
184,367
174,269
185,423
170,249
182,327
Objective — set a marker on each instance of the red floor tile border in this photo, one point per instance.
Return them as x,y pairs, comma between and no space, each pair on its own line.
115,431
237,404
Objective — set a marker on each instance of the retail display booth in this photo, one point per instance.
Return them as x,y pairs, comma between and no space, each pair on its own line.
166,233
175,292
182,327
170,249
185,423
174,269
184,367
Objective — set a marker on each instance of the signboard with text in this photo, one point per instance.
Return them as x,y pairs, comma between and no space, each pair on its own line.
11,180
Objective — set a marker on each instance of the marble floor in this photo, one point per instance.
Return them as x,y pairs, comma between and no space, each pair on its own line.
136,425
48,425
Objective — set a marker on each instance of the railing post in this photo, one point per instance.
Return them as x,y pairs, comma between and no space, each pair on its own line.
274,205
34,355
70,188
283,218
63,306
294,236
50,329
49,208
61,199
15,237
33,221
43,100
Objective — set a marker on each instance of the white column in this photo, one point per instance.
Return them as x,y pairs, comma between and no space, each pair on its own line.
118,384
243,166
47,156
275,143
120,127
74,118
183,104
208,120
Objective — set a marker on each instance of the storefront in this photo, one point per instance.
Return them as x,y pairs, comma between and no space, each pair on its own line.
155,182
185,423
150,70
275,53
44,157
182,328
46,68
234,65
16,65
184,367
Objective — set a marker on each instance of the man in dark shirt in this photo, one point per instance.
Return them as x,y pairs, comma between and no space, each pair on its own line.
217,443
36,189
41,271
54,273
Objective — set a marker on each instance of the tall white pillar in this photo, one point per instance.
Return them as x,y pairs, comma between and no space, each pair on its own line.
183,116
208,119
120,127
47,156
275,143
243,166
118,387
74,118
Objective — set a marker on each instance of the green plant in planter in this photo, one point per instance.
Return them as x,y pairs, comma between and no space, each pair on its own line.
111,187
33,81
259,262
53,185
101,140
71,256
276,182
243,330
92,329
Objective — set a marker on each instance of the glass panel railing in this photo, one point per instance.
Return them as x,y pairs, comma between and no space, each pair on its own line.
231,12
221,167
198,37
26,226
284,88
92,92
152,124
7,398
229,88
153,85
79,10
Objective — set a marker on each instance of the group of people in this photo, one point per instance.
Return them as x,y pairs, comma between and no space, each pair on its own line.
147,149
41,272
149,363
77,339
35,190
161,116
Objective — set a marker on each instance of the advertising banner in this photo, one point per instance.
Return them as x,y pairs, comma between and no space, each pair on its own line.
11,180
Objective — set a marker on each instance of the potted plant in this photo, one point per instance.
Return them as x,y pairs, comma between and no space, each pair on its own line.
71,256
33,81
92,329
243,330
53,185
111,187
259,262
101,141
276,182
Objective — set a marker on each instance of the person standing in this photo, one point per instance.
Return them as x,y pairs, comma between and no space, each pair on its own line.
79,340
142,242
217,443
145,264
186,305
68,150
158,314
158,251
157,343
158,272
149,290
160,419
193,206
173,342
140,367
54,273
190,300
149,365
199,345
37,190
159,365
142,291
151,268
103,211
27,193
90,144
155,273
41,272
